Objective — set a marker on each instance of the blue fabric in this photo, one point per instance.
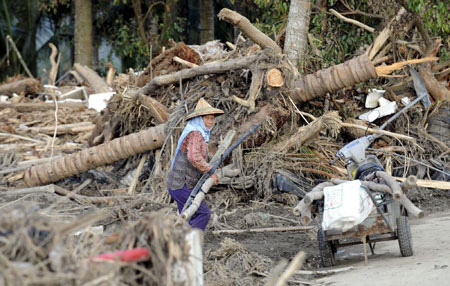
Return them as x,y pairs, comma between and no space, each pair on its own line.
194,124
201,218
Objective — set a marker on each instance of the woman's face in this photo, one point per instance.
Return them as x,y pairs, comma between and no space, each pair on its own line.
208,120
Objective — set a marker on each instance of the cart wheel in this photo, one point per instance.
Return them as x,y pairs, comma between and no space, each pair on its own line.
404,236
325,249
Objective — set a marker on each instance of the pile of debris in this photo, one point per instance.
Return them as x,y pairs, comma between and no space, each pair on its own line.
117,156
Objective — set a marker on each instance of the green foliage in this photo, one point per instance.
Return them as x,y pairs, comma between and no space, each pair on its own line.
436,18
176,30
53,6
336,40
271,15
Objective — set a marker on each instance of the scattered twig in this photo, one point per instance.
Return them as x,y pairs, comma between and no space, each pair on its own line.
268,229
137,174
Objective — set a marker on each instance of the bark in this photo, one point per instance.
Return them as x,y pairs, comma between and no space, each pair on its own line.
76,163
359,69
248,29
94,80
297,30
206,21
29,85
168,20
83,32
437,89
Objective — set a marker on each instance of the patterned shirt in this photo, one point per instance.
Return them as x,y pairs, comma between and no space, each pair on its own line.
197,151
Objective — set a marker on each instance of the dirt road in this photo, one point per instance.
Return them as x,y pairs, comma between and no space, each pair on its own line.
430,264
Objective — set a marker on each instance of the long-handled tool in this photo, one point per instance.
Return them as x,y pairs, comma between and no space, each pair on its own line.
205,176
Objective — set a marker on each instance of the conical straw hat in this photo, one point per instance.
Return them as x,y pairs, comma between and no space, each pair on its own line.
203,108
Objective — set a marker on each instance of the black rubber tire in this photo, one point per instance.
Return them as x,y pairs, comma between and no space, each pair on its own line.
326,250
404,237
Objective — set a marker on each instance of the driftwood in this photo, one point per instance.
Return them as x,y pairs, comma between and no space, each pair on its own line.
110,74
96,156
90,76
30,107
395,186
29,85
308,132
60,129
227,171
137,174
222,67
429,184
437,89
248,29
55,64
295,264
184,62
255,88
267,229
157,110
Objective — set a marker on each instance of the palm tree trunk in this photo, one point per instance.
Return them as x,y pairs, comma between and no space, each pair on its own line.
297,30
83,32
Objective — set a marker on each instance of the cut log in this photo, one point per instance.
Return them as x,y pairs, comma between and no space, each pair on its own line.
76,163
90,76
248,29
28,85
274,78
44,106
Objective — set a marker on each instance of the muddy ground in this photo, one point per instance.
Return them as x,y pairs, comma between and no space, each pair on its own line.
285,245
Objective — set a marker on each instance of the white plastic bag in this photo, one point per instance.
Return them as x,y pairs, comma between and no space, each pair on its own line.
345,206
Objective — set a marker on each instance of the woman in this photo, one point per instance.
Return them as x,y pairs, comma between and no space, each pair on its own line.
190,162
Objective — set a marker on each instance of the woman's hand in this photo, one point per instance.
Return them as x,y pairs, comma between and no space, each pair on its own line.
216,179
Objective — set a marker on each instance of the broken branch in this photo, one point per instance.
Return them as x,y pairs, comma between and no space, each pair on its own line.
248,29
352,21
